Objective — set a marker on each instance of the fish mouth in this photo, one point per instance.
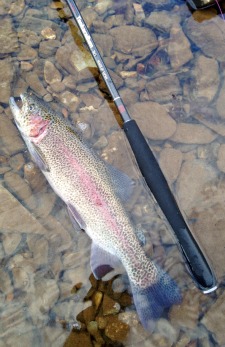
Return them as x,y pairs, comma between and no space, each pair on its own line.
13,105
16,111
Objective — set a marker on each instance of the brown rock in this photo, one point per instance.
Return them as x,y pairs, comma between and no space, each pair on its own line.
41,251
193,134
70,82
11,142
57,87
48,34
16,162
17,7
15,218
125,299
201,16
97,299
213,319
70,100
117,330
35,83
22,279
46,293
208,36
51,73
26,53
77,62
206,74
221,158
109,306
134,40
26,66
220,103
6,77
87,315
210,219
13,320
77,338
195,176
179,47
105,44
48,48
154,120
8,37
91,100
102,6
19,187
161,20
163,88
5,284
10,242
92,328
187,313
129,96
29,37
214,124
170,161
34,177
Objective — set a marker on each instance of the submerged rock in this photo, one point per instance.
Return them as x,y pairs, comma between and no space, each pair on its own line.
6,78
8,37
163,89
134,40
154,120
170,161
208,36
193,134
179,47
15,217
195,177
213,319
207,79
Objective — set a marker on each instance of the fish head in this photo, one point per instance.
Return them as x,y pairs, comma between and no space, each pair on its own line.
33,118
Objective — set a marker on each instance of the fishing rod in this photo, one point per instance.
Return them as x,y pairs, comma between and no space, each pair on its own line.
196,263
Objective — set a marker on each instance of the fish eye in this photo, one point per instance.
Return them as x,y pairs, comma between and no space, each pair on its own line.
31,107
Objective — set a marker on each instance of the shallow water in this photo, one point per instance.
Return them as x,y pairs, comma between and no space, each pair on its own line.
168,66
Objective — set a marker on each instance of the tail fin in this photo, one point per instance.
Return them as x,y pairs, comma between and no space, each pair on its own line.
150,302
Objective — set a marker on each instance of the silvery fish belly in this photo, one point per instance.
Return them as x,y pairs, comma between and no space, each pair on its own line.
91,191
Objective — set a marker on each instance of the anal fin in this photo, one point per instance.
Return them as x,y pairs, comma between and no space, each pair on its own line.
102,262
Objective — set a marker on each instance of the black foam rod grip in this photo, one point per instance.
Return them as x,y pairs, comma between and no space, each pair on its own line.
195,260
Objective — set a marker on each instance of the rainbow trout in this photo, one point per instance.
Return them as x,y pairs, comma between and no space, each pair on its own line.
89,190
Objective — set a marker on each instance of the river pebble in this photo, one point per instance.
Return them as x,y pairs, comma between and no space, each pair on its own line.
206,74
8,37
163,88
208,36
179,47
10,242
170,161
213,319
199,174
157,124
6,78
51,73
21,220
135,40
193,133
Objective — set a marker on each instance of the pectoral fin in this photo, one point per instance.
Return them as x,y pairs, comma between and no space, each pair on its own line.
102,262
37,156
75,217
